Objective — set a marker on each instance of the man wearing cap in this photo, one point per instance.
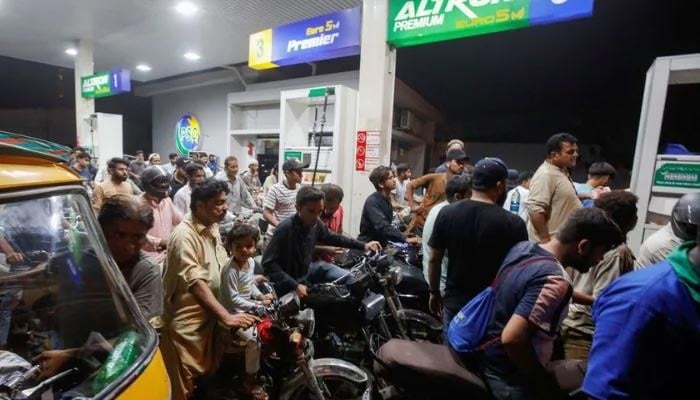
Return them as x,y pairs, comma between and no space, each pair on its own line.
477,233
280,200
179,178
435,183
552,193
452,144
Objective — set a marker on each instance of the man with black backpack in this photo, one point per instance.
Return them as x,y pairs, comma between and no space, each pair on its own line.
528,301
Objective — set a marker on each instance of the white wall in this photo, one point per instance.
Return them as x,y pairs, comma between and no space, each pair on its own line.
207,103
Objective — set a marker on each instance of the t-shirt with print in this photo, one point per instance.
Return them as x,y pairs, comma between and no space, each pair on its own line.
477,236
540,292
282,200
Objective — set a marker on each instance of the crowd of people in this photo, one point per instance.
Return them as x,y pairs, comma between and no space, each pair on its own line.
567,286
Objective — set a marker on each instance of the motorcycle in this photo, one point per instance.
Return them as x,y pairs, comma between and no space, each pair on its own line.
287,357
419,370
356,319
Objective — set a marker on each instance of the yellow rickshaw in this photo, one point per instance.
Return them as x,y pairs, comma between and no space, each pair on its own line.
69,325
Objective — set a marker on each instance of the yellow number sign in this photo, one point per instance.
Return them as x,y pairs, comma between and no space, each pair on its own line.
260,50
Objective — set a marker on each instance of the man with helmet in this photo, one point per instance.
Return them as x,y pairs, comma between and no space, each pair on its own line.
659,245
648,321
156,186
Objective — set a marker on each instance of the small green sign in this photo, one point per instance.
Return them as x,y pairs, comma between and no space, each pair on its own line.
292,154
678,175
413,22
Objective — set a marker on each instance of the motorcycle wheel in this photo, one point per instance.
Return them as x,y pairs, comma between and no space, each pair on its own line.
339,388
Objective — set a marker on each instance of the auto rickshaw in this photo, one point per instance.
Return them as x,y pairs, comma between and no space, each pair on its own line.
63,299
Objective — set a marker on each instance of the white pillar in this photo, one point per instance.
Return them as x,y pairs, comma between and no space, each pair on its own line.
376,96
84,66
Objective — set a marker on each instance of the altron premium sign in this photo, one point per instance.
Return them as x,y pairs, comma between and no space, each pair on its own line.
320,38
103,84
413,22
187,134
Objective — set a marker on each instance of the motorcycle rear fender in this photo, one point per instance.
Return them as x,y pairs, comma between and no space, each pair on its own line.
420,317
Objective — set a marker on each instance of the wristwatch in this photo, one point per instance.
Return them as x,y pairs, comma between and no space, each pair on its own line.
434,291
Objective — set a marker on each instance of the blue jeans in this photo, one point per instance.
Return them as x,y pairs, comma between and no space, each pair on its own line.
324,272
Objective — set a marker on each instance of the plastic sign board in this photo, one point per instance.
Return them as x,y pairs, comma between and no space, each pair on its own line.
367,150
104,84
414,22
680,175
292,154
188,134
320,38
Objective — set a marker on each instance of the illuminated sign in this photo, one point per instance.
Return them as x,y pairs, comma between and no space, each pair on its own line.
187,134
104,84
320,38
413,22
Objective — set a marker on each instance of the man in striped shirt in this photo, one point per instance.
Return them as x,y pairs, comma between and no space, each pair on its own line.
280,201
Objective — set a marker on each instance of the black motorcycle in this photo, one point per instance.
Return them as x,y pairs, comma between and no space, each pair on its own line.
356,318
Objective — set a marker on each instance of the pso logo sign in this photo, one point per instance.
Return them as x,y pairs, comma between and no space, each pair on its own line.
187,134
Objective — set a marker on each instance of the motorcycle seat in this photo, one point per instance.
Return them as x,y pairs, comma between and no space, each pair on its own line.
419,367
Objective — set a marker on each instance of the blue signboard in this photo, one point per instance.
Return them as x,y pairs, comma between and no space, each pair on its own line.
320,38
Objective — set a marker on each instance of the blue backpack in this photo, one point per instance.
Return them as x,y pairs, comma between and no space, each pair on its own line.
467,329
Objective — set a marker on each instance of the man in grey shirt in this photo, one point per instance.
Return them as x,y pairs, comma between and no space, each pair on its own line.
239,195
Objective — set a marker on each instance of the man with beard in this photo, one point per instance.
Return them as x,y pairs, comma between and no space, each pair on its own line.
552,194
477,233
118,170
531,295
193,318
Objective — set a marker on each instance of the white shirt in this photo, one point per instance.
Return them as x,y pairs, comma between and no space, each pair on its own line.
427,232
522,210
657,247
182,199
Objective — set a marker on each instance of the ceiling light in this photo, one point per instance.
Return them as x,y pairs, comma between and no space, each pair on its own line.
143,67
191,56
71,51
186,8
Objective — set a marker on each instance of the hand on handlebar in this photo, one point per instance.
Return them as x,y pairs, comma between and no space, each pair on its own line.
14,257
415,240
52,362
302,291
373,246
240,321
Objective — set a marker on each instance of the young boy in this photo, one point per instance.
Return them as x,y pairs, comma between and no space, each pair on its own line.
239,294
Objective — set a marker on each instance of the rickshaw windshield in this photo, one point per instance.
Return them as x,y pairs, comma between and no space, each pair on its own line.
65,310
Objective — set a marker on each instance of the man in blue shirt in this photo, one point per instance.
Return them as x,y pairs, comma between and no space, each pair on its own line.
647,323
531,296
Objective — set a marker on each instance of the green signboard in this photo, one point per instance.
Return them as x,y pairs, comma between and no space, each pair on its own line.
292,154
413,22
105,84
678,175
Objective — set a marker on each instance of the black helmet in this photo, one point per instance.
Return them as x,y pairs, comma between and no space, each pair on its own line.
156,181
686,216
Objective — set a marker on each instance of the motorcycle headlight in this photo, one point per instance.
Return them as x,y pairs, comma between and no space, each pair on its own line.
395,275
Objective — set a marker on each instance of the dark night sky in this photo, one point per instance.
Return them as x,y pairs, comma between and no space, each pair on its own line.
584,76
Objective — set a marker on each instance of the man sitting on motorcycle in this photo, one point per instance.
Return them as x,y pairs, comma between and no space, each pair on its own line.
287,258
377,213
